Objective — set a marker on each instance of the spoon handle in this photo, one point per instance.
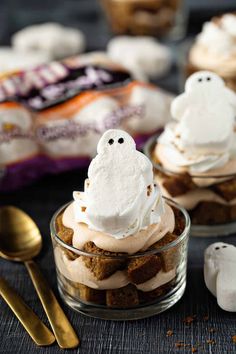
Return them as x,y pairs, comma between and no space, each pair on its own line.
40,334
64,333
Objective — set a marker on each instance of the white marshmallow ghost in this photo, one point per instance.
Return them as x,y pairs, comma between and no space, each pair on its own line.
219,274
55,40
205,112
143,56
117,199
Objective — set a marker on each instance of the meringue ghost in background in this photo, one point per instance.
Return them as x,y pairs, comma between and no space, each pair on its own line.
55,40
206,112
120,196
143,56
219,274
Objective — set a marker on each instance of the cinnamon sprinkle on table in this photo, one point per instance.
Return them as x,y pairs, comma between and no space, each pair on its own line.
212,330
169,333
211,341
189,319
205,318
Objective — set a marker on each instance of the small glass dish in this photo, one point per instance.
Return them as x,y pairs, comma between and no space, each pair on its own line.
129,300
220,219
163,19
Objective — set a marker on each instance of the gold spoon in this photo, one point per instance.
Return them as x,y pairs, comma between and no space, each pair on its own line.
20,240
40,334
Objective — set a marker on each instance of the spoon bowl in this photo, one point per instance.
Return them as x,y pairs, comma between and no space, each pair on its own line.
21,241
20,238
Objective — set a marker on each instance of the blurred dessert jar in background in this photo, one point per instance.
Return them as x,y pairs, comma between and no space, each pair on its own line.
119,244
215,49
195,156
146,17
16,135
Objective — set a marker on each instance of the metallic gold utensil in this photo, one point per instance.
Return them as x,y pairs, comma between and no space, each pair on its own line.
20,240
40,334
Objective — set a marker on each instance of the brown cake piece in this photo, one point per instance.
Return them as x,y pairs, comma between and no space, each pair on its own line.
178,185
65,233
101,266
91,295
232,212
83,292
169,257
227,189
148,296
210,213
123,297
143,268
179,222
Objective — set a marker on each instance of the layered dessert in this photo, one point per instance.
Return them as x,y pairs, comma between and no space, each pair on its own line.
142,17
119,244
195,156
215,49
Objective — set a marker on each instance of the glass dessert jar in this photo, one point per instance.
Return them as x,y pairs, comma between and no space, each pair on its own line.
119,286
214,49
158,18
209,198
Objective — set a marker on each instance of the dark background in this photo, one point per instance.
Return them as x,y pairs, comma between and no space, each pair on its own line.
42,199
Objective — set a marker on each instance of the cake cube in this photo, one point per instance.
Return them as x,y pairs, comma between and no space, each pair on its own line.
179,185
143,268
219,214
100,266
179,222
148,296
91,295
227,189
169,257
123,297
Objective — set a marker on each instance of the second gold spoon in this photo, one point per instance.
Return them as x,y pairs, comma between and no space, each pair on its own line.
20,240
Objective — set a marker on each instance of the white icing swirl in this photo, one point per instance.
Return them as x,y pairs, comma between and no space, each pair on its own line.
120,198
220,37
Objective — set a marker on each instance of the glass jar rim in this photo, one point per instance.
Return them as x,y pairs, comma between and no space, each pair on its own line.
148,148
80,252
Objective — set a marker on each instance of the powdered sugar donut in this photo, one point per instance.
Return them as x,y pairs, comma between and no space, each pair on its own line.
52,38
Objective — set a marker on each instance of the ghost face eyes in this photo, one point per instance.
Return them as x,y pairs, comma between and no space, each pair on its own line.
203,79
120,141
218,248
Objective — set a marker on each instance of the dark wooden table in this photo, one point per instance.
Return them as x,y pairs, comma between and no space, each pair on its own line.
212,328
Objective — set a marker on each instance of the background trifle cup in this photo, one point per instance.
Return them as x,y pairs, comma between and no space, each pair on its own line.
143,284
209,198
214,49
160,18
